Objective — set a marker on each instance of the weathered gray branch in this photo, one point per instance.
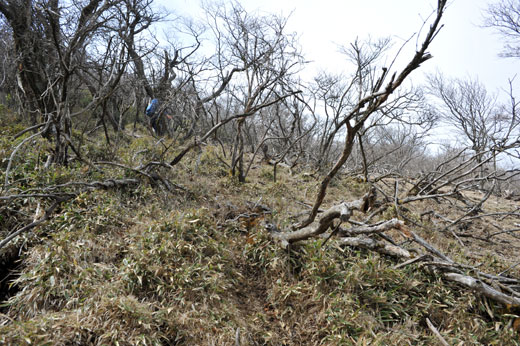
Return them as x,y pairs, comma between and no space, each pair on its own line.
371,229
342,211
375,245
436,332
482,288
45,217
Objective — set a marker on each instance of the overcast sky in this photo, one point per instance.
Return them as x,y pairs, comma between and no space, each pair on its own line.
462,49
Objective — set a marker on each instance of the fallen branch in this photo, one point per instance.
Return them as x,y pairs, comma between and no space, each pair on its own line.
120,165
342,211
58,199
34,195
410,261
436,332
470,282
153,177
111,183
11,157
376,245
482,288
371,229
451,270
46,216
429,247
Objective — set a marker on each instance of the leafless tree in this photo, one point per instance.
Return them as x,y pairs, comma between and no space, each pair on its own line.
338,94
367,105
54,43
466,105
262,53
280,132
389,150
504,16
487,128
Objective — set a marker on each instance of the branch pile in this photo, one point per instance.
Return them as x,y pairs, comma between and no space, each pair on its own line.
502,289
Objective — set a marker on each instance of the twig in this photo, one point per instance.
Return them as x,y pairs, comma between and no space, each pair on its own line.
429,247
34,127
59,198
413,260
35,195
436,332
375,212
237,337
9,163
508,269
46,216
333,233
508,231
120,165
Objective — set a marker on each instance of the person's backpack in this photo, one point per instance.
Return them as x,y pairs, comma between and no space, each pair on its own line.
152,108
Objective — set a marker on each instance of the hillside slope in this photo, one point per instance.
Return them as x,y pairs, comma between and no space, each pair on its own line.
190,259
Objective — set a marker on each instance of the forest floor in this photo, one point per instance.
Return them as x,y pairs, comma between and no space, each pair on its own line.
138,264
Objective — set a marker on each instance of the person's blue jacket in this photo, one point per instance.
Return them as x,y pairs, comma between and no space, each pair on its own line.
152,108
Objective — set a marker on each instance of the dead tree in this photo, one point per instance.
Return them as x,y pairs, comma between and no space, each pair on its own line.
267,56
503,16
253,62
54,42
366,106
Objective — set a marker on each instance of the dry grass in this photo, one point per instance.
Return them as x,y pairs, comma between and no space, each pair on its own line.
147,267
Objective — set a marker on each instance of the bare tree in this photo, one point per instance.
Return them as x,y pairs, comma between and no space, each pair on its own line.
489,129
283,127
466,105
389,150
338,94
264,55
377,96
504,16
54,42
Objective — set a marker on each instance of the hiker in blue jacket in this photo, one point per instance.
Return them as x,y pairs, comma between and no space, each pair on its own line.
152,111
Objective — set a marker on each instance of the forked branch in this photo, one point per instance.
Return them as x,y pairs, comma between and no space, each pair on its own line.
369,105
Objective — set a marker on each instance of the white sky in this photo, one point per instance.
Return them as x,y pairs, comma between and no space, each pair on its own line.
462,49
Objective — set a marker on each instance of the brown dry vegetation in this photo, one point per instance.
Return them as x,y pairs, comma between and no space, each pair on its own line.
140,265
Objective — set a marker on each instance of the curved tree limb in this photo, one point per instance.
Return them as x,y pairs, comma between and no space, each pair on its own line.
370,104
46,216
342,211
